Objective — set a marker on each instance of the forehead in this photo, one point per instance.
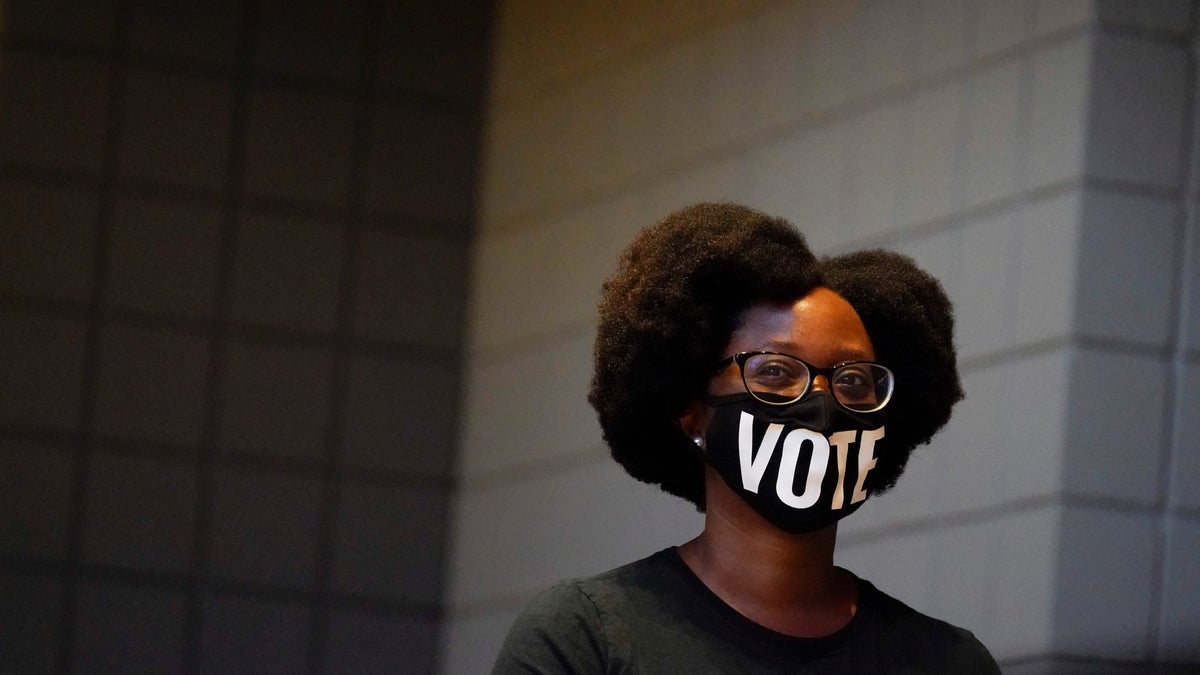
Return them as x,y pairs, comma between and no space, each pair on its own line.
821,328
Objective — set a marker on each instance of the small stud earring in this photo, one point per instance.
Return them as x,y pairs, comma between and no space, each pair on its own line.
698,441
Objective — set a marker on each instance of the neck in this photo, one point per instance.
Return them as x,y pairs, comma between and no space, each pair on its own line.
783,581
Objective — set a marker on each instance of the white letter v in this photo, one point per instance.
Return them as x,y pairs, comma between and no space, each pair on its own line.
755,464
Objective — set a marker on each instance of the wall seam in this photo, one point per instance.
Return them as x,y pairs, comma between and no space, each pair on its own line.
106,207
332,463
1179,358
218,336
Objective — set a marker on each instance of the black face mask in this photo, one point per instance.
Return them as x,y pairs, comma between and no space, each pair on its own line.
801,466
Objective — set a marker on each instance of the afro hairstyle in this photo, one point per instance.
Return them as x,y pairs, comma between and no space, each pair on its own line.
678,294
911,325
666,315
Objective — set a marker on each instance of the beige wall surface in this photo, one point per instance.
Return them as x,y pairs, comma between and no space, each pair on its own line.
1033,155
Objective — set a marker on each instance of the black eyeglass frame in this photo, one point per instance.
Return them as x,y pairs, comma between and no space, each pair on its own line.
740,359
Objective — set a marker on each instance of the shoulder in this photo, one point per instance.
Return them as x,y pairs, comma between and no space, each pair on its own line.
565,627
925,643
558,631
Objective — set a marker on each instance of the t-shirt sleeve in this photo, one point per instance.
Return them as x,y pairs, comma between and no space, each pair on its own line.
915,643
943,648
968,655
558,632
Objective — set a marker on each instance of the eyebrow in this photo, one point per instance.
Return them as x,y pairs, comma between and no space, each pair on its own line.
847,354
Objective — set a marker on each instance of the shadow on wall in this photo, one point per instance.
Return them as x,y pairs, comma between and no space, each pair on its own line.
232,264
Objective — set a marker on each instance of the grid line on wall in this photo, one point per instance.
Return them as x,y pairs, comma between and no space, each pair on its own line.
203,328
181,582
231,200
331,462
102,229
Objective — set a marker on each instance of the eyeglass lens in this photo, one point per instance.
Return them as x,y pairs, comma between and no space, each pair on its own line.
777,378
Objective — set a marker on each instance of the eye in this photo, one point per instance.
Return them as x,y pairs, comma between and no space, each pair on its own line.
854,383
851,377
774,371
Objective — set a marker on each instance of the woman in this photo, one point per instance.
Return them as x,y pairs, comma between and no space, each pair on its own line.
777,393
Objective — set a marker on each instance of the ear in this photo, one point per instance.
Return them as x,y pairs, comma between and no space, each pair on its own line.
695,419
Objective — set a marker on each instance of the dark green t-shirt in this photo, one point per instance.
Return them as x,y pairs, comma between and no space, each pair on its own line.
655,616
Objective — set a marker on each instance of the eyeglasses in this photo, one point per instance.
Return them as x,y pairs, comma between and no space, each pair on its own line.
779,379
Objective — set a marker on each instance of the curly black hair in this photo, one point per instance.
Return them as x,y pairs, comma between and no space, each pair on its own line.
911,325
678,294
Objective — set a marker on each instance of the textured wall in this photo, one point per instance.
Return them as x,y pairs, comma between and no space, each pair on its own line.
1034,155
233,240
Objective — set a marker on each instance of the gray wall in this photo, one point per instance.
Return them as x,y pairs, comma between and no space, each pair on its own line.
1034,155
233,240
